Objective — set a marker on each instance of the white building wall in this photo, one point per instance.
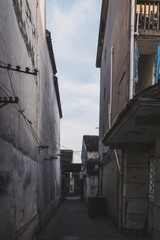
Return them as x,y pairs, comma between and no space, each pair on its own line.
92,155
30,186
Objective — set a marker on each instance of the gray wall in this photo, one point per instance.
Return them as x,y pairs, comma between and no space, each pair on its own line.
156,219
146,69
116,35
29,185
135,189
110,186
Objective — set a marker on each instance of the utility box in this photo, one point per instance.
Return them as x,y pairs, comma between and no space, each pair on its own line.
96,207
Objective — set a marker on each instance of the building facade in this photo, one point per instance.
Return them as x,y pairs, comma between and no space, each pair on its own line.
30,112
128,58
71,182
90,162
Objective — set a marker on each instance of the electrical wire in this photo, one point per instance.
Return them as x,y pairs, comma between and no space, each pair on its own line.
18,108
27,121
68,149
31,129
11,82
7,88
9,78
2,92
76,152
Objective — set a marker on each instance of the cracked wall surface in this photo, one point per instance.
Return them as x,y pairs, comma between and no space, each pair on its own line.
29,185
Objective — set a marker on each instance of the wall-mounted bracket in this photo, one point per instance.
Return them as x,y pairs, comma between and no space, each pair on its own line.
18,69
5,100
50,158
41,147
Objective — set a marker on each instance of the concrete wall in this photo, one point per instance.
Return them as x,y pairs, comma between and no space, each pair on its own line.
110,190
116,36
136,212
84,153
156,218
146,71
90,187
127,192
30,186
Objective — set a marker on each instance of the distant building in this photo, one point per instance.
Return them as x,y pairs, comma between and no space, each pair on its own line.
71,184
90,162
129,60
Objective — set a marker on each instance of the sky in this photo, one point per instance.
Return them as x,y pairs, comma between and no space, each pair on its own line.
74,27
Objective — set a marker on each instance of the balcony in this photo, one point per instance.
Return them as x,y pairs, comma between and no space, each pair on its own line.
139,122
147,26
148,16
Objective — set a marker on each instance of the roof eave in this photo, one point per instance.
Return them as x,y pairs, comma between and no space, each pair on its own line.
51,52
58,96
103,18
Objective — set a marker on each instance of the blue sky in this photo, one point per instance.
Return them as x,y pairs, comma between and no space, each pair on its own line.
74,26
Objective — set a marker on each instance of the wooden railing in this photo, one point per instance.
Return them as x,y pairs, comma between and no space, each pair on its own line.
148,15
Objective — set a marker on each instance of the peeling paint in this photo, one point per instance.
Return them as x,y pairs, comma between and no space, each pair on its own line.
24,19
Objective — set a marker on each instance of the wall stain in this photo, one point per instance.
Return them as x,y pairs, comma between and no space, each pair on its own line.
27,180
22,22
4,183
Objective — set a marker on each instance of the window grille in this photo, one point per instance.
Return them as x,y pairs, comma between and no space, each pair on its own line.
151,178
148,15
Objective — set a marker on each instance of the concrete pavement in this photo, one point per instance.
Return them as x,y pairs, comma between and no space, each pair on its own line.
71,222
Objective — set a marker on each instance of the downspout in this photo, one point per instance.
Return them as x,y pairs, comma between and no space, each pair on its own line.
131,82
110,94
110,104
115,151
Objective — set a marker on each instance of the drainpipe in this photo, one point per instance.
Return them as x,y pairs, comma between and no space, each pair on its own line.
110,95
131,82
110,103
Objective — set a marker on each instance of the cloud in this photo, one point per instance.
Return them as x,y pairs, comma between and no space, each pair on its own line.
74,30
74,134
74,26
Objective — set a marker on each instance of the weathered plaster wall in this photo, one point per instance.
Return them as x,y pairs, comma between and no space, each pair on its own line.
156,218
110,186
30,186
90,187
137,213
116,35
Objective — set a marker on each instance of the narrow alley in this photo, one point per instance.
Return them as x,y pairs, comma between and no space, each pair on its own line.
71,222
80,120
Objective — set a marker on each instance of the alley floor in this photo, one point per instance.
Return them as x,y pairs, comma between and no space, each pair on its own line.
71,222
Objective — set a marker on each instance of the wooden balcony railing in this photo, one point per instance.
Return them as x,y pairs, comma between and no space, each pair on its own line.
148,15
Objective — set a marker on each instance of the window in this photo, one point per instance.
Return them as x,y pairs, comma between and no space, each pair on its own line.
151,179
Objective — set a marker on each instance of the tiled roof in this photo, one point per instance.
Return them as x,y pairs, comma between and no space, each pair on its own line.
53,63
66,156
91,142
50,47
71,167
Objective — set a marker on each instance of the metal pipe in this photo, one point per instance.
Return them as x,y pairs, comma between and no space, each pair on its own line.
131,82
117,160
111,84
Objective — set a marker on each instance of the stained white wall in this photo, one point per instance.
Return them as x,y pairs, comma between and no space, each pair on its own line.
30,185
